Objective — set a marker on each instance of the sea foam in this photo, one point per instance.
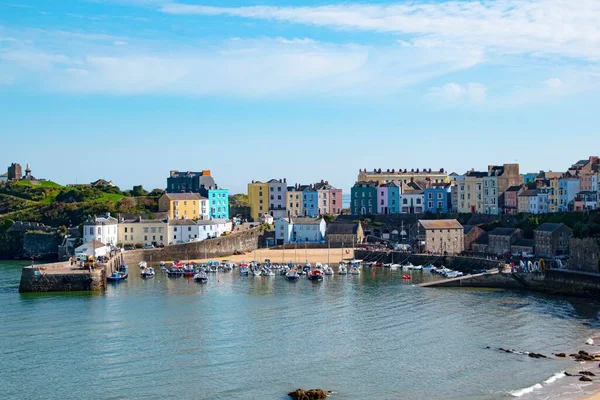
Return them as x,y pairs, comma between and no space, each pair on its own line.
522,392
555,377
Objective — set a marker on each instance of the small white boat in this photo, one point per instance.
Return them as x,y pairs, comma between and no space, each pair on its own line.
148,273
201,277
342,269
417,268
267,272
143,264
256,272
354,270
327,270
395,266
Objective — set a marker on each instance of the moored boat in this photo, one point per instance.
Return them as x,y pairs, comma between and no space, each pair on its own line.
327,270
143,264
354,270
342,269
292,275
315,275
201,277
148,273
116,277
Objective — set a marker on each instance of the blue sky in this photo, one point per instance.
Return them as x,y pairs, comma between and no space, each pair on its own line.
130,89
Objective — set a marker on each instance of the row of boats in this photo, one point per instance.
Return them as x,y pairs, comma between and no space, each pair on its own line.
291,271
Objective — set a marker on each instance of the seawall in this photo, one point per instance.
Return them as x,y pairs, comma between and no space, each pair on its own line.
555,282
64,277
237,243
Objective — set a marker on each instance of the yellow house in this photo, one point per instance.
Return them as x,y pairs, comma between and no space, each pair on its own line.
470,199
181,205
258,197
553,195
293,203
143,231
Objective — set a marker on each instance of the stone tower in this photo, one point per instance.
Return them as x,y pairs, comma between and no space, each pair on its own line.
15,172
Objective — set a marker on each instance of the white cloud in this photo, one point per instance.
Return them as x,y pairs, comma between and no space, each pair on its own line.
555,84
240,67
554,27
453,93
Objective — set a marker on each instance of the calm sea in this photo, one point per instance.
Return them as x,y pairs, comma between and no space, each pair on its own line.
365,337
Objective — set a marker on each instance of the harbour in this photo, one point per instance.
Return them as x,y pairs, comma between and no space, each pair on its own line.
372,335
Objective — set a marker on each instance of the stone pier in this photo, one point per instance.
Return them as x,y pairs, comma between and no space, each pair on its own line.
64,277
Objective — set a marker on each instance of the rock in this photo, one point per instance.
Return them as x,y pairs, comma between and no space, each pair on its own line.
560,355
568,374
585,379
587,373
312,394
573,355
584,353
536,355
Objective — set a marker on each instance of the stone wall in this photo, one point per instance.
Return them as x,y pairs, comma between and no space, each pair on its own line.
41,245
584,255
238,243
32,282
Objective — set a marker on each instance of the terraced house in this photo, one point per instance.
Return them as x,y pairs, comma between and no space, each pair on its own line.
364,198
184,206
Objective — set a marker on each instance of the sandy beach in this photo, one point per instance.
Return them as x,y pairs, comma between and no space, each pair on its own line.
334,256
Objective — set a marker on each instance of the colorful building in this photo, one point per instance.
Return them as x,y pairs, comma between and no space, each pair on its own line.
330,198
188,181
364,198
403,176
293,202
511,201
412,201
388,198
300,230
181,205
470,198
438,198
568,187
143,231
218,203
277,198
258,193
310,201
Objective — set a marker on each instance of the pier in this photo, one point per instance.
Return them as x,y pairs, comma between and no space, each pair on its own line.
458,281
67,277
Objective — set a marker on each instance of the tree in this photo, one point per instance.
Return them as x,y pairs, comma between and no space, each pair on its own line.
138,191
581,230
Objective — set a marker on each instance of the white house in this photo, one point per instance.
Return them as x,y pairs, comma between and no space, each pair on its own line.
185,230
93,248
300,230
102,229
412,201
204,208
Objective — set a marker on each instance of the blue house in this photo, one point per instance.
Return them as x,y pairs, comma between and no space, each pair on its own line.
218,203
310,201
438,199
529,178
388,198
568,187
364,198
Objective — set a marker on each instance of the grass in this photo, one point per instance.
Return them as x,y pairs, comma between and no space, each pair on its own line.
42,184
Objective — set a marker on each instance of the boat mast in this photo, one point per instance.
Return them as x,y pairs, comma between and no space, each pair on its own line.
328,251
305,252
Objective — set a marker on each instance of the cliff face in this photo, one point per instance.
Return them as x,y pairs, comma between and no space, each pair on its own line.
40,245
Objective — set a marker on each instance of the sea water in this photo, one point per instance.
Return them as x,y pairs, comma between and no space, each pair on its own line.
372,336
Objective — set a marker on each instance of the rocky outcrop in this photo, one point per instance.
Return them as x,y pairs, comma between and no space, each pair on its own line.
312,394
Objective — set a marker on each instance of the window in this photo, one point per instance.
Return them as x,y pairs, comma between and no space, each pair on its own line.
125,229
174,236
175,229
125,237
430,195
189,228
440,196
145,238
430,204
440,205
161,238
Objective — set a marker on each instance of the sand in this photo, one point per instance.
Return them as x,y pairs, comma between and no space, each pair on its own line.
281,256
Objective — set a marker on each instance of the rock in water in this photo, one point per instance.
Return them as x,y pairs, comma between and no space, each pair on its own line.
560,355
587,373
312,394
585,379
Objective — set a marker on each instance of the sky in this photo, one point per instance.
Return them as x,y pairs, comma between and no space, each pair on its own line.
127,90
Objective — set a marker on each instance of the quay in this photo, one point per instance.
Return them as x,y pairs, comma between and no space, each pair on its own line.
458,281
65,277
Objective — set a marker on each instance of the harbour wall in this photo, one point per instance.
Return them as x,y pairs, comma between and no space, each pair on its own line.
64,277
555,282
237,243
458,263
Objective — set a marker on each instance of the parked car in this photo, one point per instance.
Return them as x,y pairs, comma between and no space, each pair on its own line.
148,246
128,247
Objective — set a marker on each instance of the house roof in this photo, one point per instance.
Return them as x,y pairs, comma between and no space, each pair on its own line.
440,224
139,220
528,193
514,188
183,196
413,192
502,232
391,184
550,227
342,229
468,228
476,174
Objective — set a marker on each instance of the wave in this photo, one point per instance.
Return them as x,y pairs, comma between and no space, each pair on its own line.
556,377
552,379
522,392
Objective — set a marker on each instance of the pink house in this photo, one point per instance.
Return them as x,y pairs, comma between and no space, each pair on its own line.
330,198
382,200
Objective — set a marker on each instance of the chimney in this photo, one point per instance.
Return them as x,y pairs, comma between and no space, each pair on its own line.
284,180
173,172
